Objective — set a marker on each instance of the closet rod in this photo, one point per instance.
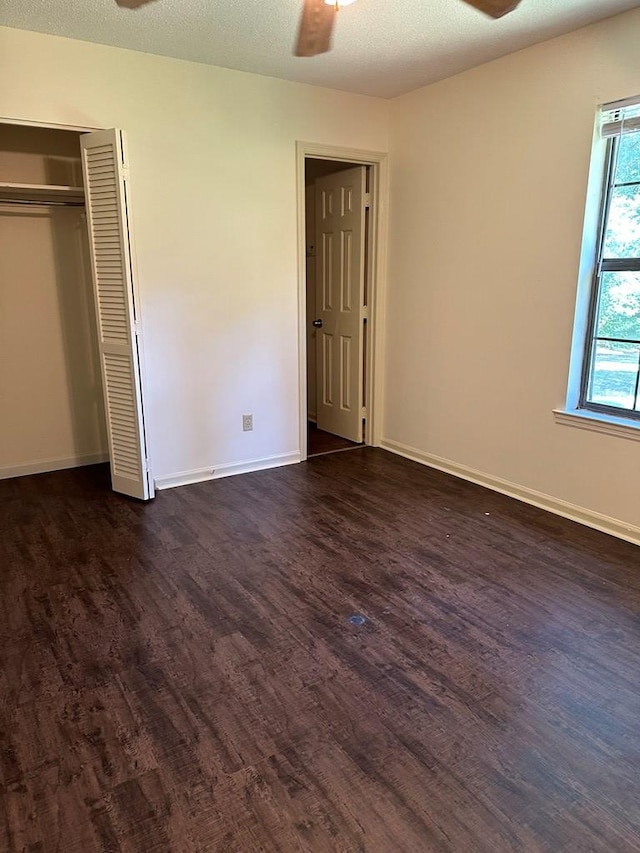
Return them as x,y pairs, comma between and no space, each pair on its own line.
41,202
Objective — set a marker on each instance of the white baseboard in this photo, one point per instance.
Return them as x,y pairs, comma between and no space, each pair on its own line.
52,465
199,475
312,418
581,514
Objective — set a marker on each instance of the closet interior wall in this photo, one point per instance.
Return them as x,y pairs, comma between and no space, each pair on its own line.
50,384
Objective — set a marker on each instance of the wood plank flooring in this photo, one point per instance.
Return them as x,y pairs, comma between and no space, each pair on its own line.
184,675
319,441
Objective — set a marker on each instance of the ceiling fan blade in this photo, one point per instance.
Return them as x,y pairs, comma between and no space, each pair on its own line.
316,27
132,4
495,8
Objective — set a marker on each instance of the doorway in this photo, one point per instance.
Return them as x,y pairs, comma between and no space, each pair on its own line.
342,242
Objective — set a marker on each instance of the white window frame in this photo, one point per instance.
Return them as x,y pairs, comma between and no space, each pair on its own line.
577,412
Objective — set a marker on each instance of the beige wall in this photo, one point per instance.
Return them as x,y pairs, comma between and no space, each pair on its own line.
488,191
213,171
50,392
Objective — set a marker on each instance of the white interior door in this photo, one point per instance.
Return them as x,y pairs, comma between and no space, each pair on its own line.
106,187
340,246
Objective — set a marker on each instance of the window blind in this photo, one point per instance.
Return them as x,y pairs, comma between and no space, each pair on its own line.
620,118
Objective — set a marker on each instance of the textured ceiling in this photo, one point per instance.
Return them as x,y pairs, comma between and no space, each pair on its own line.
381,47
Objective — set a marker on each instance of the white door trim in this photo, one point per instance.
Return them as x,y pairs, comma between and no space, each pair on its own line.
23,122
378,281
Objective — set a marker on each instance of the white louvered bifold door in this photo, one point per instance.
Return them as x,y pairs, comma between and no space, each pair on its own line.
106,189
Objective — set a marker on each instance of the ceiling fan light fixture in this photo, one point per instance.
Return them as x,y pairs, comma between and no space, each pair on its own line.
318,19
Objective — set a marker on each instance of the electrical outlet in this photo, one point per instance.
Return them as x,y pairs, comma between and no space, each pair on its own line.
247,423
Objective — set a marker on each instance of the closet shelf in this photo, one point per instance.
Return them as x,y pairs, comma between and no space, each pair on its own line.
38,192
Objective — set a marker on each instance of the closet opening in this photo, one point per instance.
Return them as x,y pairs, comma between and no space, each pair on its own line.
53,413
70,378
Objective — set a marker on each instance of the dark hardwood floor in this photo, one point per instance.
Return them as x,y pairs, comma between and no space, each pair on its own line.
184,675
319,441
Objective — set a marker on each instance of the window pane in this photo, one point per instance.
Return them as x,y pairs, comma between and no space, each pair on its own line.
613,374
622,235
619,306
628,161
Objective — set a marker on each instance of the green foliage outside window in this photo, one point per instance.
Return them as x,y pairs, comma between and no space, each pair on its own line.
619,303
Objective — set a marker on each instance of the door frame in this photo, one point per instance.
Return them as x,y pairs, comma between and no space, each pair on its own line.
374,337
23,122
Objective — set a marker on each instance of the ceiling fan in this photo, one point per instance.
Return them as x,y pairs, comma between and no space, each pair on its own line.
318,18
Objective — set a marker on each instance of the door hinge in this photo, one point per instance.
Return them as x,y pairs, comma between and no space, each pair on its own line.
364,312
367,199
363,412
137,328
122,151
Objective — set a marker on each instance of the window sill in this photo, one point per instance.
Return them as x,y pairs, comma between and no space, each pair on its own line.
609,424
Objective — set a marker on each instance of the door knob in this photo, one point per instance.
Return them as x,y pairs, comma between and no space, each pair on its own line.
317,324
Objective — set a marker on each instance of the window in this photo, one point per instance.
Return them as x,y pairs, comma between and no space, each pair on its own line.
610,375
